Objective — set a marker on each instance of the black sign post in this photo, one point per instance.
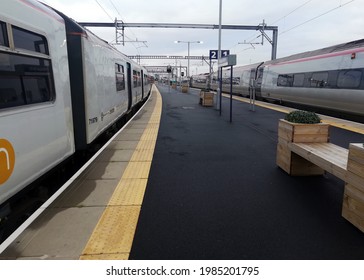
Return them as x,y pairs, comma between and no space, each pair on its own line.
229,60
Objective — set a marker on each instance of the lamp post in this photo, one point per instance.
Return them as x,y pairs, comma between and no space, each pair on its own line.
188,57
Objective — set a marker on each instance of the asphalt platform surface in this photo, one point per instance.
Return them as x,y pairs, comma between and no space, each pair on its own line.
215,192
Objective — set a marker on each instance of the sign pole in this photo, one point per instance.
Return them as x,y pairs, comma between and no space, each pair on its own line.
229,60
218,94
231,93
214,54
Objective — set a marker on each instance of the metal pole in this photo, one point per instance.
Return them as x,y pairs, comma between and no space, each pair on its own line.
218,94
180,75
188,59
210,73
220,85
231,94
274,44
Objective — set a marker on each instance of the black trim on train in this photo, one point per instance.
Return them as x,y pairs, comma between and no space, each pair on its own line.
74,49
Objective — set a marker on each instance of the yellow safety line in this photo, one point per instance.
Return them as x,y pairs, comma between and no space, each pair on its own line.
343,124
113,236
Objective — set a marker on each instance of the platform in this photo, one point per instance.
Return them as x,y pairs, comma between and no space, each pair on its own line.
96,216
213,191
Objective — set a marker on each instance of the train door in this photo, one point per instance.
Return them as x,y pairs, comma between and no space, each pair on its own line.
129,81
259,80
252,78
143,78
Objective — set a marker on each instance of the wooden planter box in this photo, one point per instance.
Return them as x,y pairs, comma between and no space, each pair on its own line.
206,98
353,204
185,88
299,133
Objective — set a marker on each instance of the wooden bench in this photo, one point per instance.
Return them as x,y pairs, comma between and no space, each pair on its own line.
305,154
327,156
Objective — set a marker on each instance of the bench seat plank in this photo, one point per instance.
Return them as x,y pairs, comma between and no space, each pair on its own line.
328,156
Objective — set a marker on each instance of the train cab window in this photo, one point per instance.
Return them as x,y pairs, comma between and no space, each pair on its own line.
24,39
24,80
3,35
319,79
120,77
349,79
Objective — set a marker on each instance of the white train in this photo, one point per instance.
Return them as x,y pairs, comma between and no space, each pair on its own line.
60,88
330,78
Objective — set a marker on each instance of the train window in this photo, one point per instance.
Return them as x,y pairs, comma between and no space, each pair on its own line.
137,81
319,79
36,89
3,35
349,79
11,92
135,78
298,80
24,80
120,77
24,39
285,80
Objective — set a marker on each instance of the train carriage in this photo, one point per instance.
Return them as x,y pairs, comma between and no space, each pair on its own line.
36,131
331,78
60,88
105,84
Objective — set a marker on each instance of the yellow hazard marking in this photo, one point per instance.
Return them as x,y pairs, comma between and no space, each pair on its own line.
7,160
113,236
343,124
114,233
129,192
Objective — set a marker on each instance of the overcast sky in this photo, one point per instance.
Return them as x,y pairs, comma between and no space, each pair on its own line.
303,25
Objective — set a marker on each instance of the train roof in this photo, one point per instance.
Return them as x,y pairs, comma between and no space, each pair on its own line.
336,48
73,27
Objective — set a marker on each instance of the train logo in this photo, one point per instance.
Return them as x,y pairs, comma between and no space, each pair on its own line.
7,160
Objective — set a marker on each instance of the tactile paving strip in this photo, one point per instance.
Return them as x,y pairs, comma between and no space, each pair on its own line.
113,236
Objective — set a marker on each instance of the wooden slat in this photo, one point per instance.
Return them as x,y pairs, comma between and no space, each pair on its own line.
283,158
285,131
356,159
355,180
303,133
352,191
328,156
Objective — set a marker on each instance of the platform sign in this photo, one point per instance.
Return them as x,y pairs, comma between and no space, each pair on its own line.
229,60
214,54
